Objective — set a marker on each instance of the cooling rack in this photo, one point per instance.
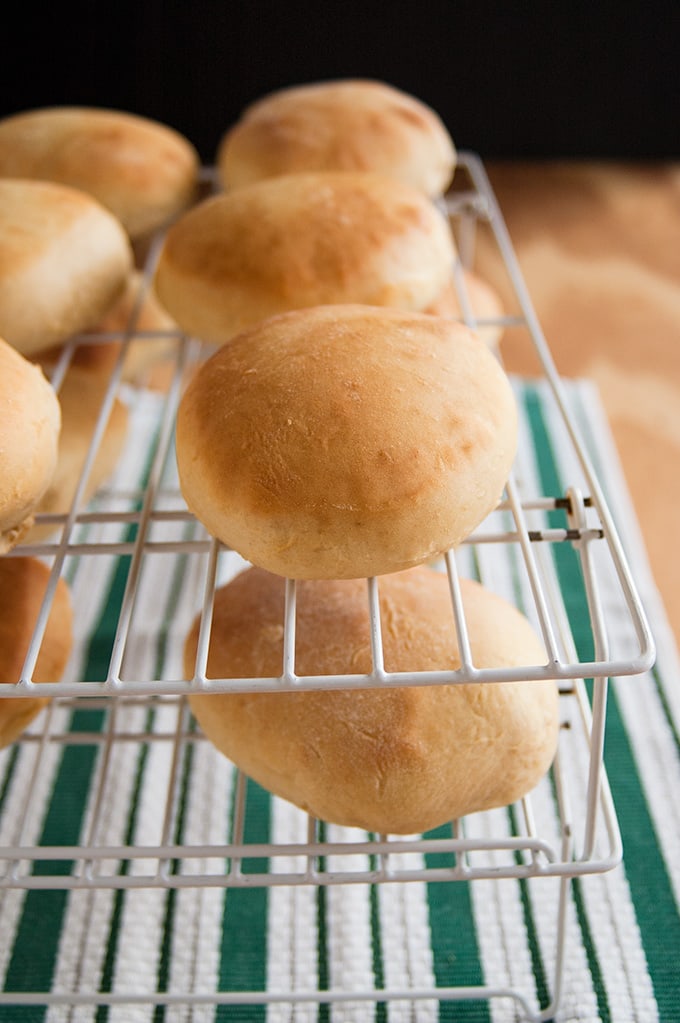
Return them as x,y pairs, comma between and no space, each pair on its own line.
135,557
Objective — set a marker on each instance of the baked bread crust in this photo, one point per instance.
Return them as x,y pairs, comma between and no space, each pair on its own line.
342,125
30,423
298,241
143,171
395,759
346,441
64,260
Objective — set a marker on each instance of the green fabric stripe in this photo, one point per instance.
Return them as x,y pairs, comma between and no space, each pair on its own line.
454,940
573,595
323,969
171,898
11,763
376,945
243,958
648,880
36,941
564,555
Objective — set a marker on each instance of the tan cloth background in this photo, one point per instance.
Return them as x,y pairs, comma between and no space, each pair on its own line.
599,248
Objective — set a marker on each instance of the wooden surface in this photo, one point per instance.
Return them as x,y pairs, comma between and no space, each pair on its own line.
599,248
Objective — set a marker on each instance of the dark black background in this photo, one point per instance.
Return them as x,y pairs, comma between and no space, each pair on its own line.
511,80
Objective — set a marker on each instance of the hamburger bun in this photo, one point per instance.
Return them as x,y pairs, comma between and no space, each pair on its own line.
153,336
343,125
346,441
23,583
30,422
64,260
81,396
298,241
144,172
484,301
394,759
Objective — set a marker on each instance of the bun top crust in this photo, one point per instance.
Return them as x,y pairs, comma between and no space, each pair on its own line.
346,441
298,241
30,421
394,759
64,260
141,170
345,125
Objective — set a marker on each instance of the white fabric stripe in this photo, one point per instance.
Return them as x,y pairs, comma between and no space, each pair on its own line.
292,946
406,941
349,938
197,926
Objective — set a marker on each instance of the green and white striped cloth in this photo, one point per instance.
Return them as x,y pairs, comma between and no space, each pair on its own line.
623,926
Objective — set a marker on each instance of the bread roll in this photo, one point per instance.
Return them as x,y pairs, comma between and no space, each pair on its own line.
390,760
153,336
64,260
346,441
30,421
344,125
23,583
143,171
298,241
81,396
485,304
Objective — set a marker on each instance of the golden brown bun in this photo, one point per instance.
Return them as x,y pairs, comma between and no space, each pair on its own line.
392,760
298,241
345,125
23,582
346,441
81,395
485,304
30,421
153,335
143,171
64,260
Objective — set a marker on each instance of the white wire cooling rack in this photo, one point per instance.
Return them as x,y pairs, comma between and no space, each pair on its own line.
133,708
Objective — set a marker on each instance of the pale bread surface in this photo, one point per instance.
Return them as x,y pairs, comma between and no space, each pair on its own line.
341,125
346,441
298,241
143,171
30,423
391,760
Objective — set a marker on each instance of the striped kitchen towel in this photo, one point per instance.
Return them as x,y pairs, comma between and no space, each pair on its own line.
140,933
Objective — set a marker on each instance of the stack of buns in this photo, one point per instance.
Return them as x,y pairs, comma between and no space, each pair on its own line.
347,426
355,125
79,190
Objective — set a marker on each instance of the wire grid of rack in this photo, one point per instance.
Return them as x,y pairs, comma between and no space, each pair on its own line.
140,711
